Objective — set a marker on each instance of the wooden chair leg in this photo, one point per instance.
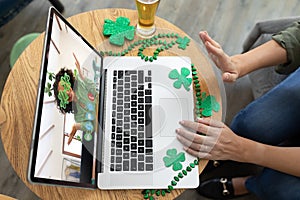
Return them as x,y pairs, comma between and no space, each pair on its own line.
58,5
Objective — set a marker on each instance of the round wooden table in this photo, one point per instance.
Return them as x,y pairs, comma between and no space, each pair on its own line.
19,100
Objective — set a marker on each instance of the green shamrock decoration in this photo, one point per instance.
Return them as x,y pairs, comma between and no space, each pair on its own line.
209,104
174,159
183,42
48,88
182,78
118,30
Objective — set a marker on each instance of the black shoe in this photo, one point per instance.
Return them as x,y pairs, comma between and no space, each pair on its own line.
219,188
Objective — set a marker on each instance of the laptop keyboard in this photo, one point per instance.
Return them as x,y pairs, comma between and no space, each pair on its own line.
131,137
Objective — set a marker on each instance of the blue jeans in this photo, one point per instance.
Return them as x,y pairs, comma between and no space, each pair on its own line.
273,119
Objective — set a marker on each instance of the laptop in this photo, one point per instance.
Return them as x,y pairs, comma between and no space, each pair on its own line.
107,122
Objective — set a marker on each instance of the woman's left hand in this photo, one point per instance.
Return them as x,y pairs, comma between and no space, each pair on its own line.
218,142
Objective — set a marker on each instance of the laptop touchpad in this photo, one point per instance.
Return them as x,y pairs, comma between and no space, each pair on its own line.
171,111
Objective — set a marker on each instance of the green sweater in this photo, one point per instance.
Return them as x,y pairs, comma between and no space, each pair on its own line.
86,104
290,40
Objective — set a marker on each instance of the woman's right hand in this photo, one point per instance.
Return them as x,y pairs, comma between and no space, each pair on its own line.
220,58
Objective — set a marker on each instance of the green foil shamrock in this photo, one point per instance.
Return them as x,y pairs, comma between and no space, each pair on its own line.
174,159
181,78
118,30
183,42
209,104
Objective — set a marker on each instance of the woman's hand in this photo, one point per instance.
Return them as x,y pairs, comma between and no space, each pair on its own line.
220,58
217,143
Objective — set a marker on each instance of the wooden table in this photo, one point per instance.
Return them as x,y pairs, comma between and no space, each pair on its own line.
19,99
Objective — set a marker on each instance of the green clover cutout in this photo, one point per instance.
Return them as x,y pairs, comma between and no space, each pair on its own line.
118,30
181,78
183,42
174,159
209,104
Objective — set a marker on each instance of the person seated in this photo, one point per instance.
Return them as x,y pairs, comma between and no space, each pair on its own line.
259,132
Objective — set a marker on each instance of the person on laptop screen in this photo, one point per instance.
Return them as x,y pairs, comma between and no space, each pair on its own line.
75,93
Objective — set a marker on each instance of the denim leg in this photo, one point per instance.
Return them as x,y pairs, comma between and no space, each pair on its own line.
274,117
271,184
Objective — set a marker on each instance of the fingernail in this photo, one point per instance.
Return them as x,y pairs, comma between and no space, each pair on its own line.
177,130
181,122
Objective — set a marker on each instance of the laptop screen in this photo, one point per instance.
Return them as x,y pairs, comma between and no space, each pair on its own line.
66,120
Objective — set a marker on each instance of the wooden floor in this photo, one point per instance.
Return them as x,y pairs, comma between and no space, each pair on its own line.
227,21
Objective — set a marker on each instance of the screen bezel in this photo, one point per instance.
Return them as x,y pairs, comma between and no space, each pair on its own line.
39,105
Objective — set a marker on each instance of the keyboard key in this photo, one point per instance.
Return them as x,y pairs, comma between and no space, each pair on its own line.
141,121
140,128
141,107
140,76
141,100
126,119
148,92
118,152
112,151
133,131
118,159
126,156
119,116
133,165
149,167
133,124
120,74
141,157
141,166
126,141
141,135
141,142
141,150
133,146
119,102
126,133
133,97
127,98
141,87
149,143
133,138
141,93
119,123
133,103
119,137
113,136
126,112
118,167
119,130
133,154
112,167
119,144
127,92
127,85
119,108
149,159
148,115
126,148
133,77
149,151
126,165
112,159
148,99
134,85
120,89
133,117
